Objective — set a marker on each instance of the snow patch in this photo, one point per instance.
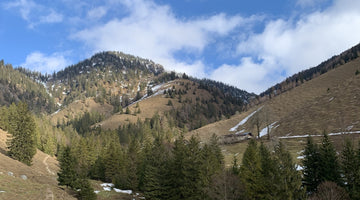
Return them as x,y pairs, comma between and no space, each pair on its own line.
300,157
242,131
96,191
56,112
265,130
332,98
242,122
299,168
123,191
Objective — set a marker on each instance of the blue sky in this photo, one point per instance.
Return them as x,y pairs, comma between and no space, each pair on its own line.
249,44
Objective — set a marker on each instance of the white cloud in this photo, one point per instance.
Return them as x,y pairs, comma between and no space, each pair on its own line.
34,13
52,17
46,64
97,13
152,31
294,45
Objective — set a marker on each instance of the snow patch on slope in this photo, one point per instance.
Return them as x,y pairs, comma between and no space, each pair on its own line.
242,122
267,129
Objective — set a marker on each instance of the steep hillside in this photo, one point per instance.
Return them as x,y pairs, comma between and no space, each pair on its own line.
16,86
40,181
108,77
123,88
328,102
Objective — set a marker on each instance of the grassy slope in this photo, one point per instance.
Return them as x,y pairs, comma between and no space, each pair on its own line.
41,182
308,109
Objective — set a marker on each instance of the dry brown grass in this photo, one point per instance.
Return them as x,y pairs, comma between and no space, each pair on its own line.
41,176
329,102
78,108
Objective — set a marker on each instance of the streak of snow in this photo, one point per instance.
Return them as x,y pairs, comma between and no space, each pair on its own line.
107,185
300,157
332,98
244,120
264,131
56,112
240,132
123,191
107,188
96,191
330,134
299,168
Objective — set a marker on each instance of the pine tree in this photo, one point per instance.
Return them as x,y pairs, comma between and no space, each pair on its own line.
311,170
269,174
22,144
86,192
289,181
67,175
329,165
155,171
350,169
250,171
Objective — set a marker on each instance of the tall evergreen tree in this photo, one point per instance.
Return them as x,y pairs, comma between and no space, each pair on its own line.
155,171
269,174
350,169
329,164
250,171
289,181
67,175
22,143
86,192
311,170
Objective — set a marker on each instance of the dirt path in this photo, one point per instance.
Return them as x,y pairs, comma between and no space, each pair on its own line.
47,166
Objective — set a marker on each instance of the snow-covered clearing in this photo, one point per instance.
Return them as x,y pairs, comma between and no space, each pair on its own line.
242,122
330,134
267,129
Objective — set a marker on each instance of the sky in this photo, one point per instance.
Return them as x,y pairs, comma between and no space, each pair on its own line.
251,44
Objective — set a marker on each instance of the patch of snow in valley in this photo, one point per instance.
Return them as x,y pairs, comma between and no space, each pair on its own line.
242,122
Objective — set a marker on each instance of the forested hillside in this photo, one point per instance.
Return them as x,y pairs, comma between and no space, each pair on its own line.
15,86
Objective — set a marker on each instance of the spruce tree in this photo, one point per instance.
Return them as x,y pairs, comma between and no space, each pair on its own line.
155,171
250,171
289,181
86,192
311,169
329,165
22,144
269,174
67,175
350,169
